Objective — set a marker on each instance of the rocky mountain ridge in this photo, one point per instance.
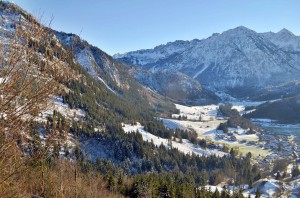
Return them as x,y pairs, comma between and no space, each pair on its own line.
237,59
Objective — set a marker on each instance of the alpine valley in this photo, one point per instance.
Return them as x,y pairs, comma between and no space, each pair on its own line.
217,117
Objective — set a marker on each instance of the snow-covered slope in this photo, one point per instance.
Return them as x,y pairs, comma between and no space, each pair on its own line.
185,147
115,76
284,39
95,61
237,58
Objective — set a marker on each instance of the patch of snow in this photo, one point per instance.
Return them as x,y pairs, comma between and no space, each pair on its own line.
56,103
200,72
239,108
203,113
106,85
171,124
185,147
229,189
267,187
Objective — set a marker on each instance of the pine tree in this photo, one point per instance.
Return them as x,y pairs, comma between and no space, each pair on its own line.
295,171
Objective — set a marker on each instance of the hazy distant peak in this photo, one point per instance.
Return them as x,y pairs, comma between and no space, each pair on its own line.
286,32
242,28
239,30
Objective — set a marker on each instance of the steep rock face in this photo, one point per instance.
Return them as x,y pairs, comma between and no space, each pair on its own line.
234,60
96,62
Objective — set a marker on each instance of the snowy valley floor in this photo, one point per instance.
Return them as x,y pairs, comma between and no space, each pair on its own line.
204,120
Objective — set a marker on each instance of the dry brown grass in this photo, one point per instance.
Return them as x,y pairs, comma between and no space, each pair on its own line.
58,180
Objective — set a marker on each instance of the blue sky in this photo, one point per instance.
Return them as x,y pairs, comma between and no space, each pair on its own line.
127,25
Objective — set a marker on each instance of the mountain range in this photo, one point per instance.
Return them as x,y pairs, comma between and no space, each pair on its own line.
239,61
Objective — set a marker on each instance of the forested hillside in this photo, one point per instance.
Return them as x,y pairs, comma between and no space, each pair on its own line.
284,111
44,154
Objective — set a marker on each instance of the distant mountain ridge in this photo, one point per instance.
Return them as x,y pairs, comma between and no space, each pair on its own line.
237,59
115,74
175,85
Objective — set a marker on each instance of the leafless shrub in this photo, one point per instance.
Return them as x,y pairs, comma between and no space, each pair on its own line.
32,63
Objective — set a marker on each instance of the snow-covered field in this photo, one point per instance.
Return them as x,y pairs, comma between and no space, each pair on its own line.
185,147
204,113
206,127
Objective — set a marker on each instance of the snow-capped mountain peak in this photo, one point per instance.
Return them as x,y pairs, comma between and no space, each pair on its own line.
285,40
285,31
236,58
